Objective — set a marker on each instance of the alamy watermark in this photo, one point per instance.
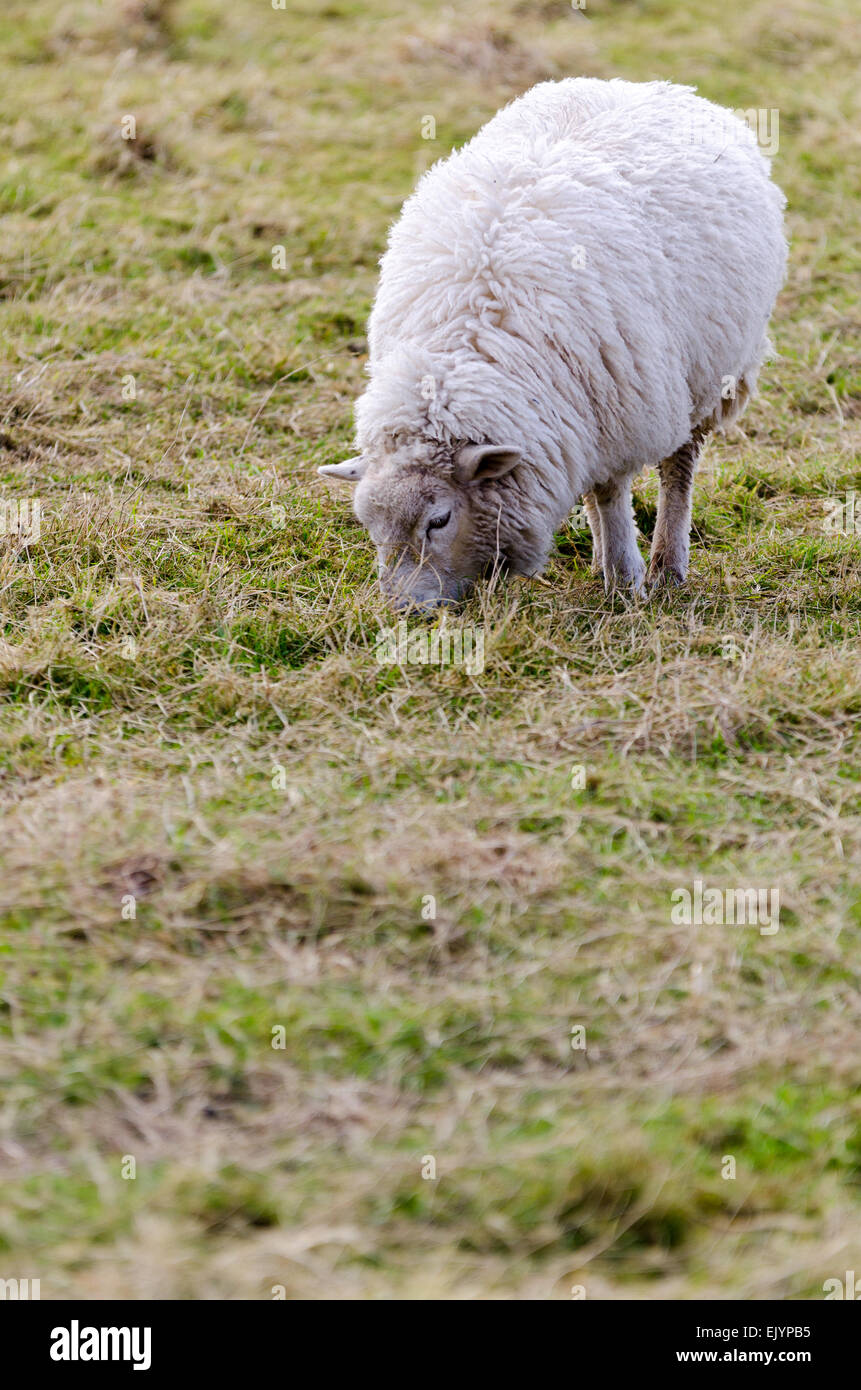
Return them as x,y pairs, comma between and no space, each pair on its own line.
77,1343
438,646
842,515
847,1287
763,122
740,907
18,1289
21,517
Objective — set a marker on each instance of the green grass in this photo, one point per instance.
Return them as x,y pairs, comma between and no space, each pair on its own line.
196,730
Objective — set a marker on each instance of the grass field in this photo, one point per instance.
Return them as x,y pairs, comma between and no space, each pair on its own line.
195,728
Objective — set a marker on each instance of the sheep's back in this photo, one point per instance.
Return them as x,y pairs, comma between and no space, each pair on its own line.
629,231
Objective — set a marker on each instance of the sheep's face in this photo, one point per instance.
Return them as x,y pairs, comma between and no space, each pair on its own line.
419,524
428,524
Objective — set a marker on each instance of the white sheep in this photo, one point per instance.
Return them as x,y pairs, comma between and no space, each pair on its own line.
582,290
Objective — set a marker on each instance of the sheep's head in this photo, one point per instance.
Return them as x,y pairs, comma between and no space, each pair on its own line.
434,524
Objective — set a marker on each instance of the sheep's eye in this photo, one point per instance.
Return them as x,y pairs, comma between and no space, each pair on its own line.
436,523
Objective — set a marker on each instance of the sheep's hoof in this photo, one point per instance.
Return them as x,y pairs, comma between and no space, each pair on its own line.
663,575
628,585
627,575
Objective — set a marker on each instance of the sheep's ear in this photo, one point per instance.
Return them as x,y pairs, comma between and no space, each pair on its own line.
474,462
351,469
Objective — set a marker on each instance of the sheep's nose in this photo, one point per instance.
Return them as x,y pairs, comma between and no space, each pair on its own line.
404,602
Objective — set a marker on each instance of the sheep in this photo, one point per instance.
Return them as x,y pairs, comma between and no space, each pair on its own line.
581,291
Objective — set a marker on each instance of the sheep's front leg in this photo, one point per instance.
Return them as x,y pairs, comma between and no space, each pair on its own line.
621,560
593,516
671,542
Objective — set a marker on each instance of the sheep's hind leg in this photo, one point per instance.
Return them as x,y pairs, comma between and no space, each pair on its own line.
668,563
621,560
593,516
